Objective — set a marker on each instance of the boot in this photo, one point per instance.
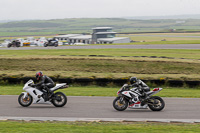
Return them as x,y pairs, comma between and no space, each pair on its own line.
143,98
45,96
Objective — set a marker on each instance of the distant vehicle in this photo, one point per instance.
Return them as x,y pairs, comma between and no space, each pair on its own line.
63,42
32,41
22,41
41,41
14,43
51,42
6,42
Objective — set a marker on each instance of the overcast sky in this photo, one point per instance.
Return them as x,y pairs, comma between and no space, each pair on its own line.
53,9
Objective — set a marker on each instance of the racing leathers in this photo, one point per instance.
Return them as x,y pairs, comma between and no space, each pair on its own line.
45,83
142,87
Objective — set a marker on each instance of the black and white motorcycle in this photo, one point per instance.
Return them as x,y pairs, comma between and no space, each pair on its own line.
33,95
132,98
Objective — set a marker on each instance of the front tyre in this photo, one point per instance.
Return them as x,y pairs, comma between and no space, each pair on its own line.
120,106
59,99
25,102
156,103
45,44
9,45
56,44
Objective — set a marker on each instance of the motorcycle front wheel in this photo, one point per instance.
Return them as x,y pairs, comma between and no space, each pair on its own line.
45,44
59,99
25,102
156,103
56,44
120,106
9,45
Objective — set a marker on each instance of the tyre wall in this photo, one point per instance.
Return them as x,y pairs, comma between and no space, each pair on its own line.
103,81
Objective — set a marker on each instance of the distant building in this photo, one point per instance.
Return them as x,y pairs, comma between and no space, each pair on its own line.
100,35
86,39
66,37
105,35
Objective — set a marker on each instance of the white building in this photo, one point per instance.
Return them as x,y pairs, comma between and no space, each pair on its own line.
100,35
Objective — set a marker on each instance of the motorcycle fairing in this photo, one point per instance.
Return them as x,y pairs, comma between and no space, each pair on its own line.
138,106
154,91
126,93
58,86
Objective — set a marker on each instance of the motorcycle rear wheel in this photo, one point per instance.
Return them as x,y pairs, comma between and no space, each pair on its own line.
59,99
25,102
158,104
56,44
120,106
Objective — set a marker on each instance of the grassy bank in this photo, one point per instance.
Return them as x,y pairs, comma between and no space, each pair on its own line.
100,68
102,63
106,91
172,53
164,38
96,127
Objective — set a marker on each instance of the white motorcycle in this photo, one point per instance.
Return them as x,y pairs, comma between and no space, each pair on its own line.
132,98
33,95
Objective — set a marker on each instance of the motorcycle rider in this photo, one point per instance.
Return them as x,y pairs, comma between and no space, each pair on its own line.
141,86
45,83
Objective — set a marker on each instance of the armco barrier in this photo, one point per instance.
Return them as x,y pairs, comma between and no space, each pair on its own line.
103,81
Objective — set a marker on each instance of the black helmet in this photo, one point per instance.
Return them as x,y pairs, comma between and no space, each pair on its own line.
133,80
38,75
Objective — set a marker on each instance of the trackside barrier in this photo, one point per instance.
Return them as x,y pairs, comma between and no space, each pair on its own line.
103,81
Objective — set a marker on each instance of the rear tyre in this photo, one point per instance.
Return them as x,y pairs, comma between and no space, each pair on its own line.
59,99
156,103
25,102
120,106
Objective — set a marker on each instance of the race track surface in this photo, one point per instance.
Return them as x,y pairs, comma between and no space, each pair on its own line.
164,46
100,107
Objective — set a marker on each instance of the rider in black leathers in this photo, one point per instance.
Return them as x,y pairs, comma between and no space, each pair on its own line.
45,83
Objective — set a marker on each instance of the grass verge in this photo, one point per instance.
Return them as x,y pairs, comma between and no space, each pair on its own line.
105,91
96,127
173,53
116,63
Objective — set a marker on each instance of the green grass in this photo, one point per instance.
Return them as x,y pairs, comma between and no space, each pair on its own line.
100,66
95,127
171,42
169,38
176,53
70,63
106,91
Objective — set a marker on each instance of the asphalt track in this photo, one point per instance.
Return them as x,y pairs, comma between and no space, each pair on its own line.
163,46
100,108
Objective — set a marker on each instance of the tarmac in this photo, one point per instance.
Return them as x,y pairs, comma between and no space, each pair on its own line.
100,109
